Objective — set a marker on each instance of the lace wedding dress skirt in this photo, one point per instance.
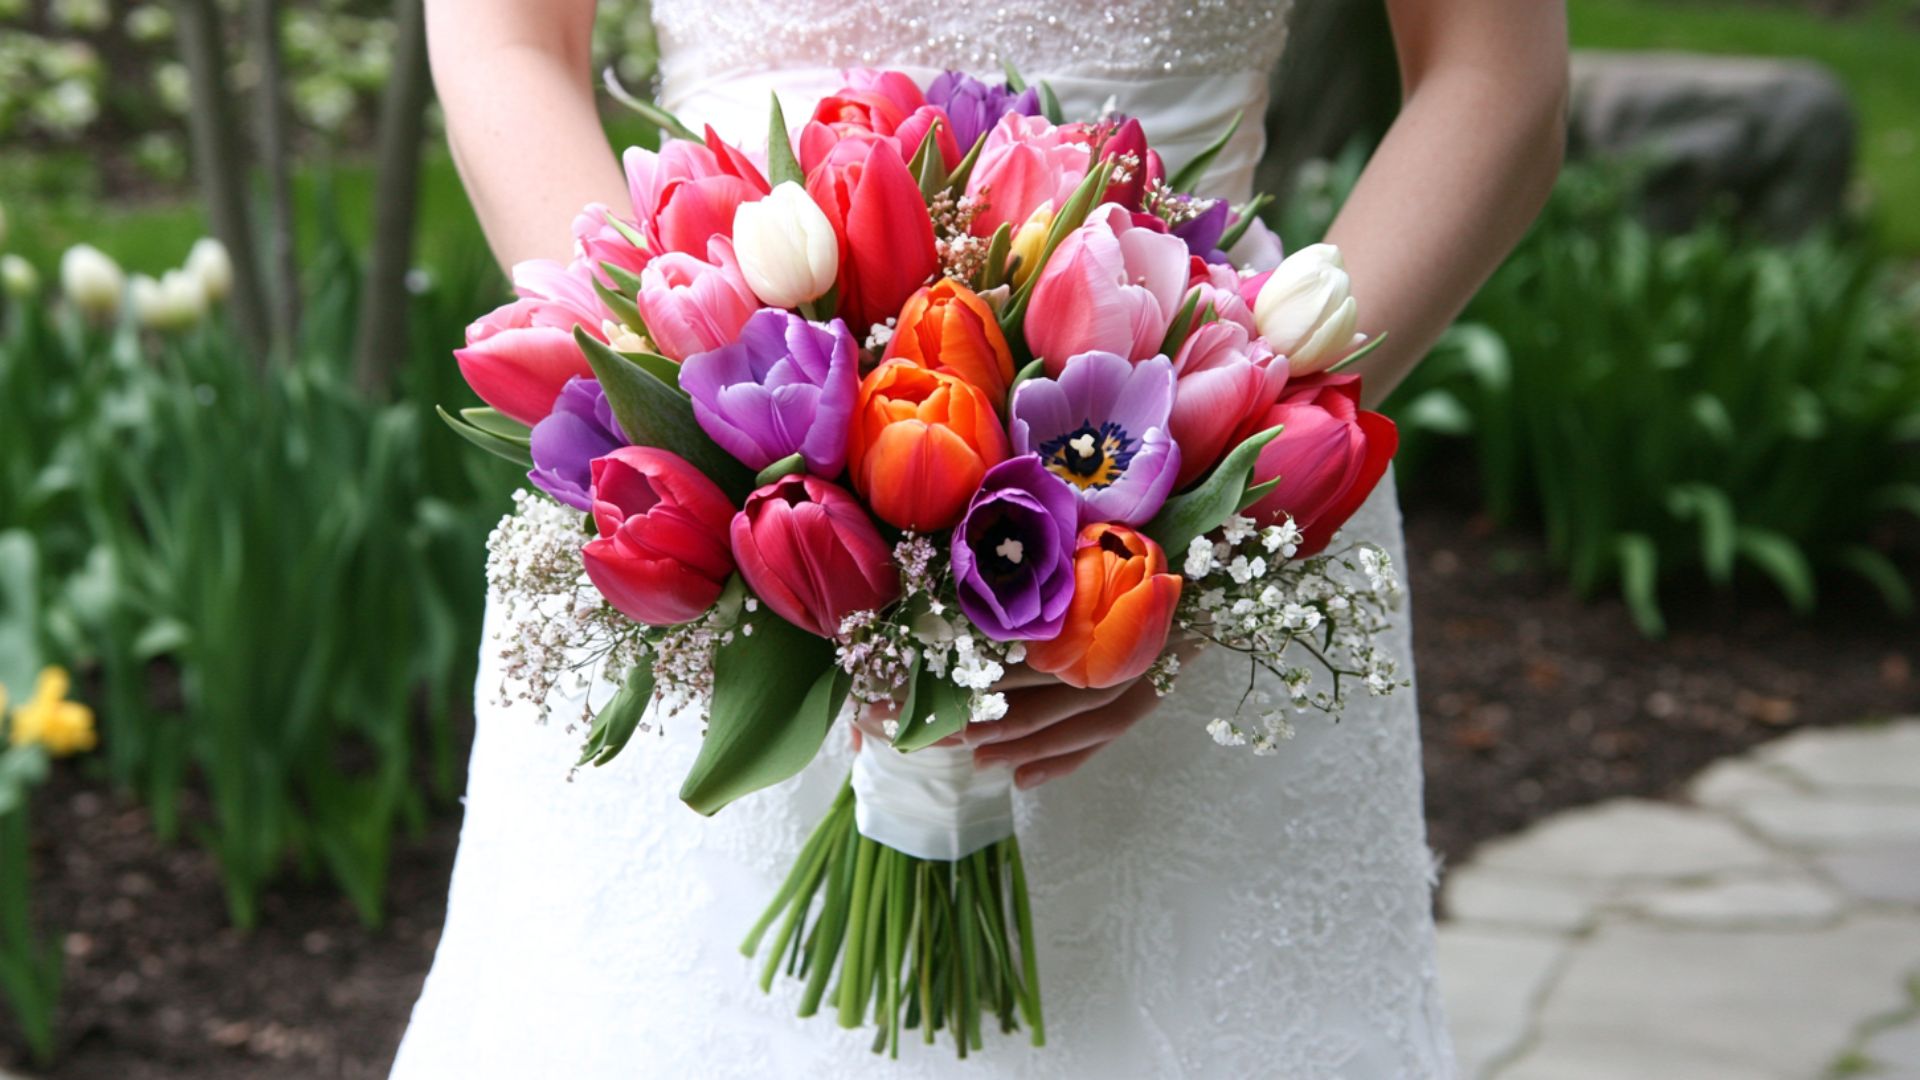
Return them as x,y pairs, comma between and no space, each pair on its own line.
1200,912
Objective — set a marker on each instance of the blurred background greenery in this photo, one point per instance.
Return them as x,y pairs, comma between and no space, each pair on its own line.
239,526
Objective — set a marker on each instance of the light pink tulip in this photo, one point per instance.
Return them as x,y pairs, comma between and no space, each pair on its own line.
1224,375
596,241
687,193
1219,286
1111,286
691,306
520,355
1025,163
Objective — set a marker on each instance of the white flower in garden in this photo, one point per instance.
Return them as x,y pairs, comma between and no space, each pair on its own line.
91,281
1306,311
81,14
149,23
66,107
18,277
786,247
170,83
208,261
174,302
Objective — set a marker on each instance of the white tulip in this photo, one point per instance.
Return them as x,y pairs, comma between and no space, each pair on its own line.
1306,310
176,301
18,277
786,247
92,282
207,260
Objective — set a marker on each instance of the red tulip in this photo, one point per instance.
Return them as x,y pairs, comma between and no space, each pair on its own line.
809,551
662,554
1123,604
886,235
1328,459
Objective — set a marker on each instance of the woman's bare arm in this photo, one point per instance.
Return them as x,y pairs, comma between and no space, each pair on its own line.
515,78
1462,172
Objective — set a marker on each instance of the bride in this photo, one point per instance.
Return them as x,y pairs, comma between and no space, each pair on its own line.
1201,913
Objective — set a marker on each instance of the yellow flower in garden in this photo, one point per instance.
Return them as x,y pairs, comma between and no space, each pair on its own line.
48,719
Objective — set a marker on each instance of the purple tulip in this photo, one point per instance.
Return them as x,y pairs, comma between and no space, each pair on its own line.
785,386
1203,231
1013,552
1102,427
580,428
974,107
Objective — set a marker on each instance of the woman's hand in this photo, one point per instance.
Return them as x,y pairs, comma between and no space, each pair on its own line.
1052,729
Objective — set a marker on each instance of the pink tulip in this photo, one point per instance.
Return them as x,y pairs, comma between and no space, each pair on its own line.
1111,286
895,86
1225,375
1219,286
661,558
596,241
692,306
520,355
845,144
1024,164
886,235
687,193
811,553
1328,459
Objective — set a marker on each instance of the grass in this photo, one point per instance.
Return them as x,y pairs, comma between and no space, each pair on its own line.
1874,53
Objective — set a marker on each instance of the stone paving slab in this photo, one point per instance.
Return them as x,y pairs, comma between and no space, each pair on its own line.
1766,929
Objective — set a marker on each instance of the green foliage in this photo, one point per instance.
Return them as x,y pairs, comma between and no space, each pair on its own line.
755,736
1670,407
305,562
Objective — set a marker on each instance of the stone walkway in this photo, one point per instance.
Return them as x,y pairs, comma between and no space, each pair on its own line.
1768,928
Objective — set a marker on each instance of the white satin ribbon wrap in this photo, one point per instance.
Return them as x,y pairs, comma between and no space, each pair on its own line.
932,803
1182,114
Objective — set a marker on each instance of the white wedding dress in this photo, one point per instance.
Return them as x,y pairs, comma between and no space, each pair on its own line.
1200,912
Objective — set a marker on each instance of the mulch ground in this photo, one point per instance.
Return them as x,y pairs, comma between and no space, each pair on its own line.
1532,699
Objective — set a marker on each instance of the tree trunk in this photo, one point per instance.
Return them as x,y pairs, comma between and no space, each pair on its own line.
380,339
1339,81
276,158
218,161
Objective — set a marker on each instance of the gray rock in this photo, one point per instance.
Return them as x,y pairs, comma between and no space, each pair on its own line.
1773,137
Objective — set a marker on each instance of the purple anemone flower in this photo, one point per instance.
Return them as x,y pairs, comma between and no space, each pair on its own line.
784,386
1203,231
580,428
974,107
1101,426
1013,552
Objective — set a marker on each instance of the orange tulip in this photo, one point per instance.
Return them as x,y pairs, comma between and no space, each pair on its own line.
1123,601
920,443
946,327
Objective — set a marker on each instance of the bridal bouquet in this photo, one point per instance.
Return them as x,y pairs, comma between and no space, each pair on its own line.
944,385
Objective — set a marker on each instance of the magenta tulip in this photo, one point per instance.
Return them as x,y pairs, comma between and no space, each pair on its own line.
1111,286
1225,376
1328,459
692,306
661,558
809,551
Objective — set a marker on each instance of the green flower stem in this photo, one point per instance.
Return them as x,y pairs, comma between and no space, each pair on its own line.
1029,959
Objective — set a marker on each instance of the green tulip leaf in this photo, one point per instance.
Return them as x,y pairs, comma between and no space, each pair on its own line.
1190,173
928,168
652,413
496,445
1360,353
620,304
957,180
755,735
782,166
1050,104
667,122
786,466
936,708
619,718
995,270
659,367
1248,215
494,422
1208,506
